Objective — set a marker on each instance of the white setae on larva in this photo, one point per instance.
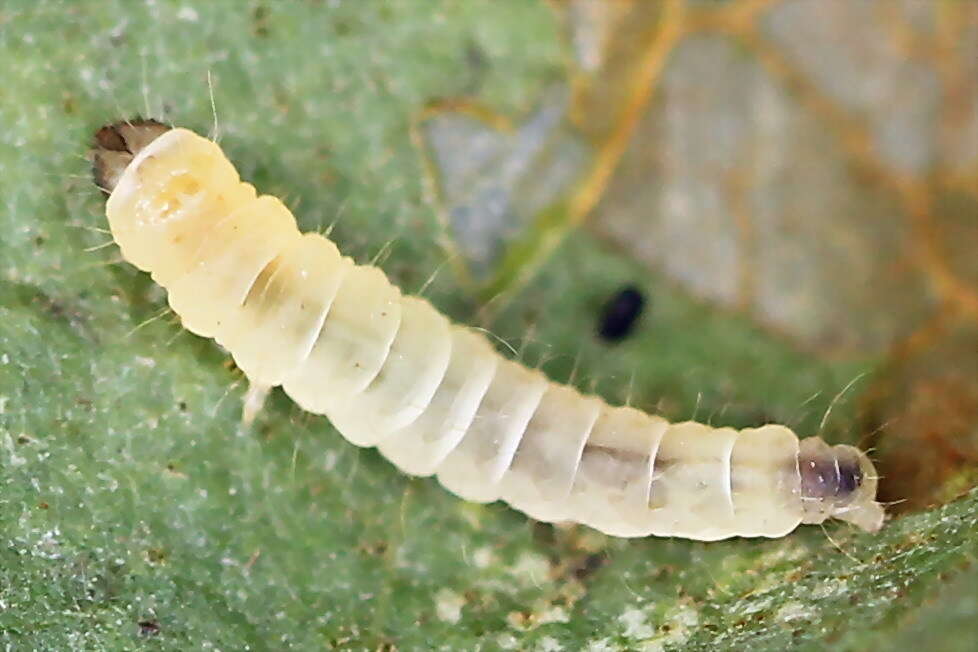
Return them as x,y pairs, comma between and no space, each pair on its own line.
390,371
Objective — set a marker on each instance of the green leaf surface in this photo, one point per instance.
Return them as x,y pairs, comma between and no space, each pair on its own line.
137,513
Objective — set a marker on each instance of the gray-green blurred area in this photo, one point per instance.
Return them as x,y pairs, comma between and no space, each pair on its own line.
792,185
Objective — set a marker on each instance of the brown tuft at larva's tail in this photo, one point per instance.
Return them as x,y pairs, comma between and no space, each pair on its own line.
115,146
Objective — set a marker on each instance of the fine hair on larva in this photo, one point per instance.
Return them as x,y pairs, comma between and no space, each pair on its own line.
436,398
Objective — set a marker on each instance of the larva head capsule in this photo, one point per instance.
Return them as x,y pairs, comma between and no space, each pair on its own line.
838,482
117,144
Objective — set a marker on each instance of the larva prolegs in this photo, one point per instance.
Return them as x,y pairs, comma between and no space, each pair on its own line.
390,371
254,400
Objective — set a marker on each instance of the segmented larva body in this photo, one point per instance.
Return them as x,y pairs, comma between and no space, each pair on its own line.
434,397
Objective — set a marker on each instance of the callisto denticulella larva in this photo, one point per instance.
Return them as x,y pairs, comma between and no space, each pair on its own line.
388,370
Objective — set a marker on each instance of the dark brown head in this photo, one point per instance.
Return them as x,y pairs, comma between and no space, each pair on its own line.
838,482
117,144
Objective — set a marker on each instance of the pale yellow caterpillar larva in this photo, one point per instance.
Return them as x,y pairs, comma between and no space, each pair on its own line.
434,397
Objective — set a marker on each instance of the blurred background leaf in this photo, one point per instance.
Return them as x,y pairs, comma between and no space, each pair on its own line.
791,184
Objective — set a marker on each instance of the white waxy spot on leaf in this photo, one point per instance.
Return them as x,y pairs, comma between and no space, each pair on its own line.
448,605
